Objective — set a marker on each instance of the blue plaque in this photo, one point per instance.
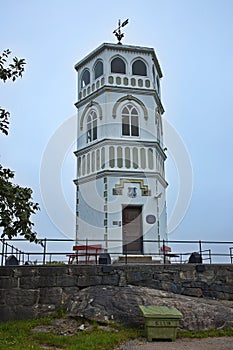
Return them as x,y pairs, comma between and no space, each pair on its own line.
150,219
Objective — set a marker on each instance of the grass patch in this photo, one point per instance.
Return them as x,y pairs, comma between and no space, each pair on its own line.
228,332
18,335
95,339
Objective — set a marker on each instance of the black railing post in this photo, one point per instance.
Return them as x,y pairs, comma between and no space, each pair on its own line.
3,245
23,261
44,253
86,249
231,257
164,256
210,256
6,245
200,249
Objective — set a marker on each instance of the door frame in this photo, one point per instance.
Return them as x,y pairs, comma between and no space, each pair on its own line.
140,207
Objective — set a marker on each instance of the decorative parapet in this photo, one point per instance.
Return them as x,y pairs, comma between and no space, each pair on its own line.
117,191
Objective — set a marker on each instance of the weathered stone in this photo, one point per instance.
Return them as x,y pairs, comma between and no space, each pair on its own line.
29,282
136,277
45,309
170,287
8,283
162,277
6,271
17,296
2,296
85,281
45,281
121,305
187,275
25,270
16,312
194,292
110,279
6,313
54,286
51,296
66,281
52,270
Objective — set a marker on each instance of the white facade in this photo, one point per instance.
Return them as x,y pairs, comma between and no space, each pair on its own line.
121,201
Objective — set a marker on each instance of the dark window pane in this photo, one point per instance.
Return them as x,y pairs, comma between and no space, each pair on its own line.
134,126
85,78
139,68
88,136
95,129
125,125
91,126
118,66
158,84
99,69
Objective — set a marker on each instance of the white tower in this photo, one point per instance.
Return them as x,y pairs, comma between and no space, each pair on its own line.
120,154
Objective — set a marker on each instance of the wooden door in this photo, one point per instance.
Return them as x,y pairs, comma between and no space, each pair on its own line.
132,230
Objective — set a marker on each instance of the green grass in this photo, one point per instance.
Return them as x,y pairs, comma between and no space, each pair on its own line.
228,332
18,335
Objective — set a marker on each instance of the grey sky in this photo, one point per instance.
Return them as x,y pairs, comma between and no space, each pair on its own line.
193,42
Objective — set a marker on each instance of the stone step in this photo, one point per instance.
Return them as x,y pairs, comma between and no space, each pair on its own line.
136,259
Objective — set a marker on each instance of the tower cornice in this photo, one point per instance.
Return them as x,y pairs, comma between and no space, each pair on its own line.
124,90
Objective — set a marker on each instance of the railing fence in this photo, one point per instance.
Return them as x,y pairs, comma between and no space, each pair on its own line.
50,252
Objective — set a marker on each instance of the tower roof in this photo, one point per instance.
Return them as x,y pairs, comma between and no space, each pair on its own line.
129,48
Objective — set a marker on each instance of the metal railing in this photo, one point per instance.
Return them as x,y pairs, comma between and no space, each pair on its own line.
54,251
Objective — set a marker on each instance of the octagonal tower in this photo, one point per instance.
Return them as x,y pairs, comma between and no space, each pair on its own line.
121,200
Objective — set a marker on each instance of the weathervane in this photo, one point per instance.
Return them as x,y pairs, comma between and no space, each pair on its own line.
117,31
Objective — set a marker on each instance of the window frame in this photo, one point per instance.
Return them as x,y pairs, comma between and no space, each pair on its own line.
83,84
130,126
145,67
92,126
94,69
119,58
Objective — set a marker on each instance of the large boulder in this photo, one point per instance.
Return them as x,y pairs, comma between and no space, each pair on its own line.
120,304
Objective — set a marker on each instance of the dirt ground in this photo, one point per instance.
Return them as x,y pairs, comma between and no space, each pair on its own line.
222,343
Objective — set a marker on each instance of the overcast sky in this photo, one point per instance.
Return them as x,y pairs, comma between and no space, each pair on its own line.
193,42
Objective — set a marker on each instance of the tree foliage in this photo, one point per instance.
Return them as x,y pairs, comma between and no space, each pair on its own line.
8,71
16,207
16,204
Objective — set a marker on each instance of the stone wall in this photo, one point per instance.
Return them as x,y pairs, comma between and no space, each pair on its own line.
35,291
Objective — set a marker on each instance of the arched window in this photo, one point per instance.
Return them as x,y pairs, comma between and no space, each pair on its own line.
153,73
91,126
118,66
158,84
99,69
85,80
130,121
139,68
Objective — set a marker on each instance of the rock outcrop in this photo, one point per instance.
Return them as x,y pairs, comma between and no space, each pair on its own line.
113,303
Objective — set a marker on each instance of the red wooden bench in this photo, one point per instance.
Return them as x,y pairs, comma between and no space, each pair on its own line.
84,251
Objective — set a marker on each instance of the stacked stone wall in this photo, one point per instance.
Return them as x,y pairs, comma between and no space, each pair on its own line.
35,291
